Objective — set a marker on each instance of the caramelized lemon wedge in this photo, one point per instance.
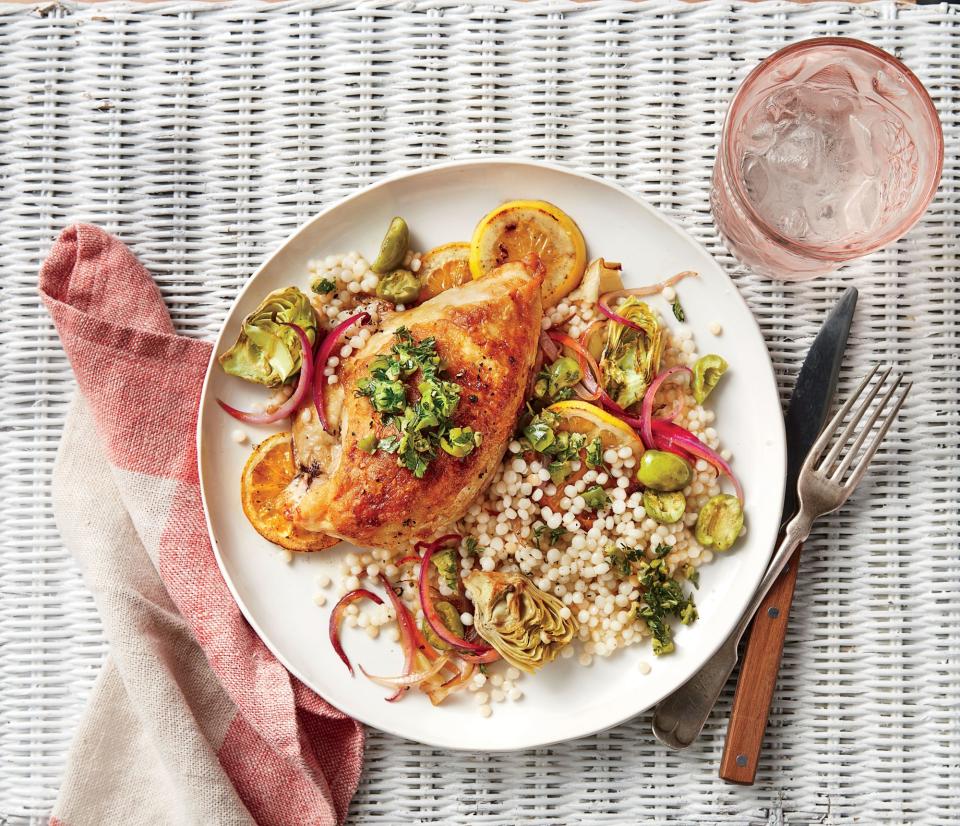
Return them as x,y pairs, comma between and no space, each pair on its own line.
266,490
517,228
582,417
444,267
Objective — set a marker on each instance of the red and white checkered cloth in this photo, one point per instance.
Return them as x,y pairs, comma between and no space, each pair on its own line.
192,720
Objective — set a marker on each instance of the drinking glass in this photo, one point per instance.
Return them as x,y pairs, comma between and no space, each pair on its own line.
830,150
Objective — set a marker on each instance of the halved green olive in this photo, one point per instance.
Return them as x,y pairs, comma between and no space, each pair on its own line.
720,522
450,618
393,247
399,287
706,374
663,471
665,508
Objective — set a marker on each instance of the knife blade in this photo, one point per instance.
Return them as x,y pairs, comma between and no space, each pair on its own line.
813,392
805,418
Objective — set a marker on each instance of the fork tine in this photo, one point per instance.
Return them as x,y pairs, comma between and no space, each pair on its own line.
852,424
827,433
867,428
871,449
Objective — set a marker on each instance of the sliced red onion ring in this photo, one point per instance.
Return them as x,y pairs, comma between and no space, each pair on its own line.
409,634
675,439
289,407
323,354
489,657
606,301
408,680
430,611
646,409
439,694
588,387
337,615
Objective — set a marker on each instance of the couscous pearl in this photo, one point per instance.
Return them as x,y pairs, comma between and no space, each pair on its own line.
239,436
320,599
644,667
715,328
497,695
466,619
515,694
482,698
485,711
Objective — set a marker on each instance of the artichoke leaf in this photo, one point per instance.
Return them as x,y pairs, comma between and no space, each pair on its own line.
523,623
268,352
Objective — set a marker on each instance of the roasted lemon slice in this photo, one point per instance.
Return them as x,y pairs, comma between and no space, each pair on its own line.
517,228
444,267
266,498
583,417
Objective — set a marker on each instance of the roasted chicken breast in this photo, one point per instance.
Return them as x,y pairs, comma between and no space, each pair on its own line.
486,336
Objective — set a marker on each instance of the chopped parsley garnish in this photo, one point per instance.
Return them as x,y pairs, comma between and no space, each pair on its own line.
596,498
678,312
426,425
663,597
553,534
470,545
691,575
561,447
595,453
621,558
323,286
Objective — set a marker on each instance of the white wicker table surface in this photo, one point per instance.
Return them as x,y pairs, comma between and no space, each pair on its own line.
203,134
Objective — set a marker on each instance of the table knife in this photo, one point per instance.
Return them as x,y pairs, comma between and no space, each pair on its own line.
806,415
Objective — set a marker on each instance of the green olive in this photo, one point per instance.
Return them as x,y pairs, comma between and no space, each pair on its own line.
706,374
665,508
720,522
563,373
399,286
393,247
663,471
450,618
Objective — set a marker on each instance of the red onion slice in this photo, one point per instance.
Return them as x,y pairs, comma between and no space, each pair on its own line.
337,615
646,409
430,611
323,354
408,680
675,439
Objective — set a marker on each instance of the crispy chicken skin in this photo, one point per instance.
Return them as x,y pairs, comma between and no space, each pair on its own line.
486,333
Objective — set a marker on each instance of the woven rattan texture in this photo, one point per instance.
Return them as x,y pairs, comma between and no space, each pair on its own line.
203,134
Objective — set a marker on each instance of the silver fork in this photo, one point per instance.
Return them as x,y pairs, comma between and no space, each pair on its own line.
823,486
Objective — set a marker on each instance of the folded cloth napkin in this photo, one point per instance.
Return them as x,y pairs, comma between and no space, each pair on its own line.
192,719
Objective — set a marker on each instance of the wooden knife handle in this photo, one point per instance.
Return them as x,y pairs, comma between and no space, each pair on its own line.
758,679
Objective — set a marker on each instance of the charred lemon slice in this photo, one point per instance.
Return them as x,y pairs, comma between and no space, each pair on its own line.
264,491
444,267
517,228
582,417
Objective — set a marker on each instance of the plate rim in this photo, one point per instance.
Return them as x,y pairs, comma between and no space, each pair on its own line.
386,180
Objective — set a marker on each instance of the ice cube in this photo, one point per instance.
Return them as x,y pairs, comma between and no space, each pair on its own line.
795,224
755,178
862,207
863,144
797,153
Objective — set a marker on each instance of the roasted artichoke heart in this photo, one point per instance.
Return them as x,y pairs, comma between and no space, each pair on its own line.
519,620
268,351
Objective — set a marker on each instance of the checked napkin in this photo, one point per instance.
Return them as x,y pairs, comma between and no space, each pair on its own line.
192,719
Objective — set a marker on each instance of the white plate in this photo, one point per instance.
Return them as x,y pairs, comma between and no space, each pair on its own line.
565,700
